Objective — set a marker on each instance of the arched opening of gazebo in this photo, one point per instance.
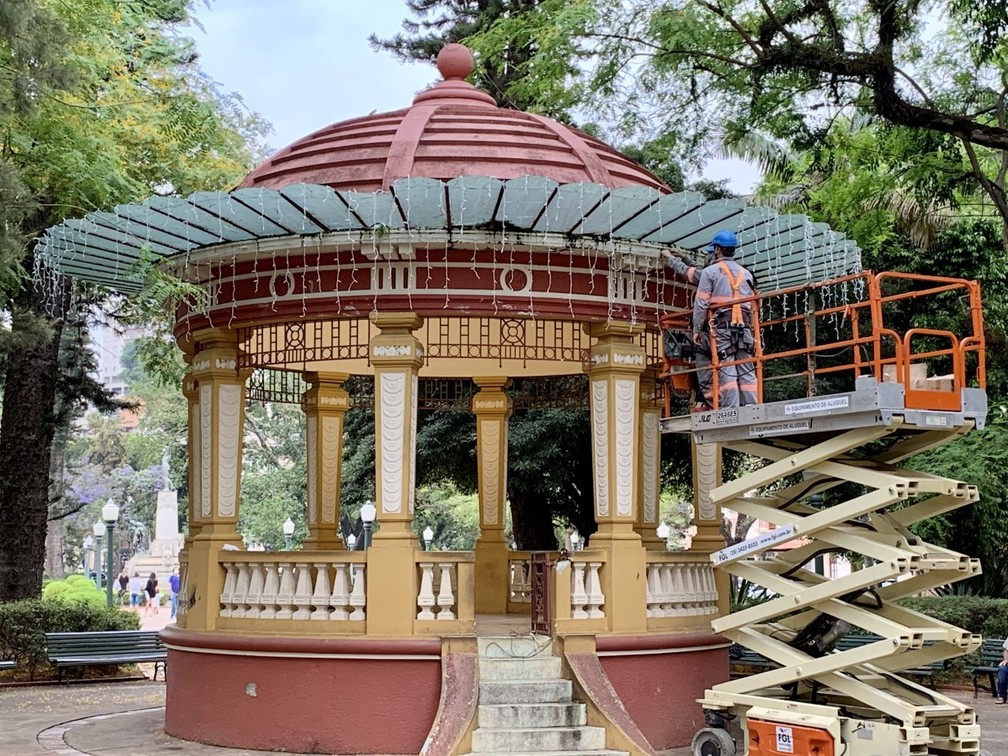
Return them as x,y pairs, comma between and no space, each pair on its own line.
451,240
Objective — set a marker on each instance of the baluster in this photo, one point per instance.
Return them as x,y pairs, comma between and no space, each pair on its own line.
515,581
446,597
692,590
579,597
677,592
358,597
426,600
340,593
227,594
303,592
241,589
253,598
320,598
183,604
271,587
595,598
526,573
285,595
654,591
665,581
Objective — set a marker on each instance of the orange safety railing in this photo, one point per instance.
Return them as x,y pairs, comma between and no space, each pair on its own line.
844,328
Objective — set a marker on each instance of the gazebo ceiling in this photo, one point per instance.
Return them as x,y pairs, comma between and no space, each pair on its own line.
782,250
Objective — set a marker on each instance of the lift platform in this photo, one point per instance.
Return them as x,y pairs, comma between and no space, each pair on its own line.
829,477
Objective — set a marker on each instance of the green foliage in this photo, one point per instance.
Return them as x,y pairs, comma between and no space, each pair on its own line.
979,530
452,516
977,614
23,625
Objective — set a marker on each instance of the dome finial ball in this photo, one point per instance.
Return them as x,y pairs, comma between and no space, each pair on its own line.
455,61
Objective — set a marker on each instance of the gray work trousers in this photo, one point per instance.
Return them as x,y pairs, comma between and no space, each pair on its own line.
736,383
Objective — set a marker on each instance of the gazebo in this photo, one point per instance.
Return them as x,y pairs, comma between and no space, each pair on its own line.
449,244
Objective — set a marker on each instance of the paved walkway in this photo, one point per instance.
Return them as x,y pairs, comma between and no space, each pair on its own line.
118,718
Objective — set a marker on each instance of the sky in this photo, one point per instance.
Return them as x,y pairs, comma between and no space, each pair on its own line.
304,64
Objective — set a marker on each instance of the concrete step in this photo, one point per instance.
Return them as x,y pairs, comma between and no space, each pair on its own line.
533,668
514,646
525,716
525,691
538,740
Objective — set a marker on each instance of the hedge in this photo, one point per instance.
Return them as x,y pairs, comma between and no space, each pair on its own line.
23,625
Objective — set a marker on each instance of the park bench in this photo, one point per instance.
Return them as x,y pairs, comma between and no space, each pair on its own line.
925,671
7,665
106,647
990,657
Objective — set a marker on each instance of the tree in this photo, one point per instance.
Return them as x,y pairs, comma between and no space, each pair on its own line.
709,73
104,104
435,23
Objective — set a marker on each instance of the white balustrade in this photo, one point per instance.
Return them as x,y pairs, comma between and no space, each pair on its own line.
594,587
279,589
680,589
444,598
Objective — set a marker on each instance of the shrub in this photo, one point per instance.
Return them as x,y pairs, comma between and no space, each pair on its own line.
978,614
23,625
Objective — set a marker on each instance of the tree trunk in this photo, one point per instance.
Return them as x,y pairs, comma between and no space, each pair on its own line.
55,564
26,436
531,523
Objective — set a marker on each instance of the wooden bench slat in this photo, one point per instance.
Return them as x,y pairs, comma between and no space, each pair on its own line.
106,647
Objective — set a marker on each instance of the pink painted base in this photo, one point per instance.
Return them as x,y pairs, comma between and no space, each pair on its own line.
302,695
659,678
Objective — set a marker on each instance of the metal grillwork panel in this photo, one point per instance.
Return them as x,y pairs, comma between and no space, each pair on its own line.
539,577
446,393
509,341
281,386
514,340
559,392
300,342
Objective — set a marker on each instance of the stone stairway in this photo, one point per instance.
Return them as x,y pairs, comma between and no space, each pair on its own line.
525,704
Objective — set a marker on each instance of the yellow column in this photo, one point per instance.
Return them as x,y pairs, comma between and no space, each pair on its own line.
492,408
190,389
324,403
649,478
396,355
218,454
707,515
617,360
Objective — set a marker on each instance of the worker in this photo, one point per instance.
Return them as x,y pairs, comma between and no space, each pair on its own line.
719,284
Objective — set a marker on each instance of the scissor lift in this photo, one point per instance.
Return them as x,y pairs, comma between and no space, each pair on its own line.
851,702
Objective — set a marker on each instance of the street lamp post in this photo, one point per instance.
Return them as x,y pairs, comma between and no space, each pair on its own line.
288,531
428,536
88,554
99,532
367,514
351,542
110,514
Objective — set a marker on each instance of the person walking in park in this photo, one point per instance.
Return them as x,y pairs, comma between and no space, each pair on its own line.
135,589
151,589
720,284
123,586
173,582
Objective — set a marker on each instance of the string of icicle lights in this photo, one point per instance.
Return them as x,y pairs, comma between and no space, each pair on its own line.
520,243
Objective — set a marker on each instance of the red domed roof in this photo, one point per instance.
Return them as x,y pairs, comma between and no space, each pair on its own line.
452,129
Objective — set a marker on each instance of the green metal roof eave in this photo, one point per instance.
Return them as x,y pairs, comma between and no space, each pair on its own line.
782,249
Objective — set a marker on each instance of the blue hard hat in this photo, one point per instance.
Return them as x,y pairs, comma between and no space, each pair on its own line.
725,239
